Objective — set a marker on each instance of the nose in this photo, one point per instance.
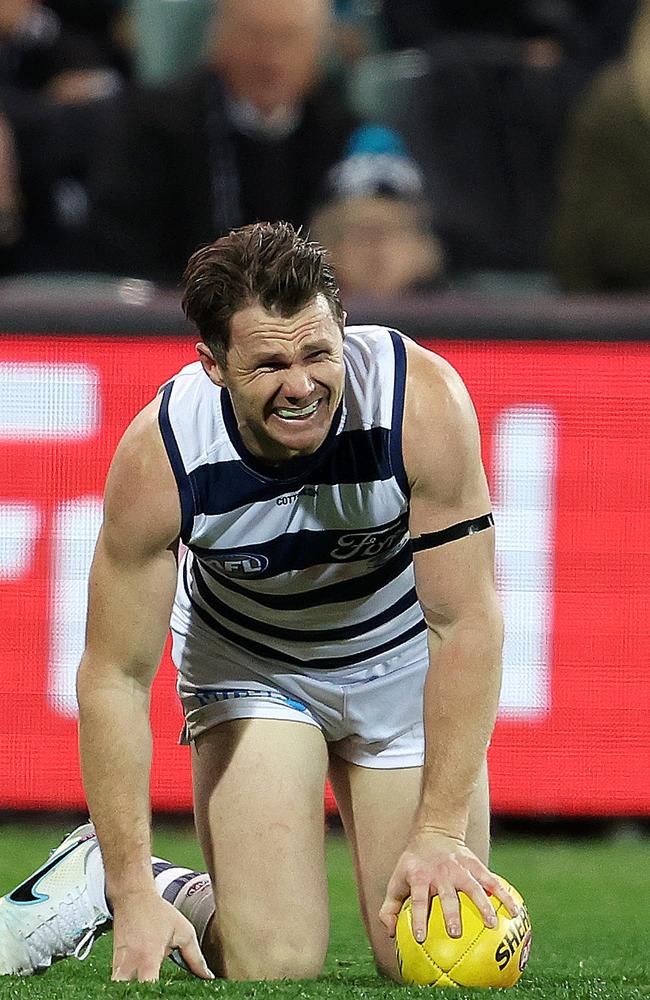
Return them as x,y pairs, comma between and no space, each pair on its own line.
298,384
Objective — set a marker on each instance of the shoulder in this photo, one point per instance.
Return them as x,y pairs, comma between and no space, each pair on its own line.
433,386
362,336
371,353
438,411
141,506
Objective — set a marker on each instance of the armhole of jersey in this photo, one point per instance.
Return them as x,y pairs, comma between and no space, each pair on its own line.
185,492
399,386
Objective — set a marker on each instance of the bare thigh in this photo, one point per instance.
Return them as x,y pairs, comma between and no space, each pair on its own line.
377,807
258,801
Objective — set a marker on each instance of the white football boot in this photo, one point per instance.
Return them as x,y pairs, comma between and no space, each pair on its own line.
49,916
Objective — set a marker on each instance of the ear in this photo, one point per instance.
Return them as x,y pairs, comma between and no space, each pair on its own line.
210,365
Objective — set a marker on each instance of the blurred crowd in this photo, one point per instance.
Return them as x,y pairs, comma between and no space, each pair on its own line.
427,143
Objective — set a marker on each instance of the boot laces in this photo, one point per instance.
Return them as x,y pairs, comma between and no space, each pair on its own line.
70,931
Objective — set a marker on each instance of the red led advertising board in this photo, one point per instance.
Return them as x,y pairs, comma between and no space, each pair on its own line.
566,440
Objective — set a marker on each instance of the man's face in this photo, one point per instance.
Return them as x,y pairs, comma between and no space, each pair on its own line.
285,376
269,50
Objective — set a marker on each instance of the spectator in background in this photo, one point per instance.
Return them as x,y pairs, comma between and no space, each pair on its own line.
595,30
485,123
39,54
249,136
375,221
94,17
55,91
602,227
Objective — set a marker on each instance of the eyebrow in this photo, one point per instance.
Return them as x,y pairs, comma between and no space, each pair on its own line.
277,358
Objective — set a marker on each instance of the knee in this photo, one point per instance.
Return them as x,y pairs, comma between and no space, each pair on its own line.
388,969
277,961
285,962
258,957
386,958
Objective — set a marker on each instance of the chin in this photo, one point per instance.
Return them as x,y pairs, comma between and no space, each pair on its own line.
300,444
299,441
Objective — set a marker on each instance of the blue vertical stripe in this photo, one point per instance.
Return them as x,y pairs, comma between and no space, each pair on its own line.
183,481
399,388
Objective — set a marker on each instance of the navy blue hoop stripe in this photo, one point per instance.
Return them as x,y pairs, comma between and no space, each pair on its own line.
431,539
268,652
158,867
183,481
318,663
399,388
355,457
302,549
173,889
334,593
332,634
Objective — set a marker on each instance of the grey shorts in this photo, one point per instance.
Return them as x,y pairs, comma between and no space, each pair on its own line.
369,714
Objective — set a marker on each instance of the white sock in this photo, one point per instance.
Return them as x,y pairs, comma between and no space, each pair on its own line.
189,891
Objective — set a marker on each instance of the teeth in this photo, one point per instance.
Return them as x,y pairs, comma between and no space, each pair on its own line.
291,414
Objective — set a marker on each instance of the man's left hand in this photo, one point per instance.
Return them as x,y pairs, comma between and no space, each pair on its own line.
434,864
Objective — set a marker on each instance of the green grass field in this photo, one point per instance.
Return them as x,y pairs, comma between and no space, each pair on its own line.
589,902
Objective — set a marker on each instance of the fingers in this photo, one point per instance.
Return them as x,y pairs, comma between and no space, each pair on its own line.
188,946
388,913
496,887
450,906
446,879
130,964
397,891
420,897
142,962
450,903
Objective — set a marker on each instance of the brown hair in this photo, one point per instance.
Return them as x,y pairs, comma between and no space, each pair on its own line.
267,263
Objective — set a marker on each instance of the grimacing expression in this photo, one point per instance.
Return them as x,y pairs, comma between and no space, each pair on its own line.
285,377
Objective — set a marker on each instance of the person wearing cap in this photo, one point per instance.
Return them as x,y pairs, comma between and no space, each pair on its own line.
376,221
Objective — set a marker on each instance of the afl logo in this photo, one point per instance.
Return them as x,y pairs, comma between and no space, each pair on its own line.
242,564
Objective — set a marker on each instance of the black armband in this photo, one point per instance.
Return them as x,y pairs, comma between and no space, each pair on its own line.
434,538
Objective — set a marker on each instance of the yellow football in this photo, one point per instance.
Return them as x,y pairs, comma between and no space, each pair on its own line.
482,956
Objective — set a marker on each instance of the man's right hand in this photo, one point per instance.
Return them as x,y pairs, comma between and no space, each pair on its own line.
145,931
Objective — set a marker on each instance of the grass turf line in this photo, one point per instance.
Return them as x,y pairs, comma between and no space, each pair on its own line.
589,903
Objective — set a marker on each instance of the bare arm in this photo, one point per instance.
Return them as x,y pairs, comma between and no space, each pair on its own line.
132,585
456,587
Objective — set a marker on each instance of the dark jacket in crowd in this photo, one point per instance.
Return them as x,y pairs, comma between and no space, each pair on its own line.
486,127
592,30
175,175
55,146
30,63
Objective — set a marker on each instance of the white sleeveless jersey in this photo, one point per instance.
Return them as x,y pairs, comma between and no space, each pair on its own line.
309,565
